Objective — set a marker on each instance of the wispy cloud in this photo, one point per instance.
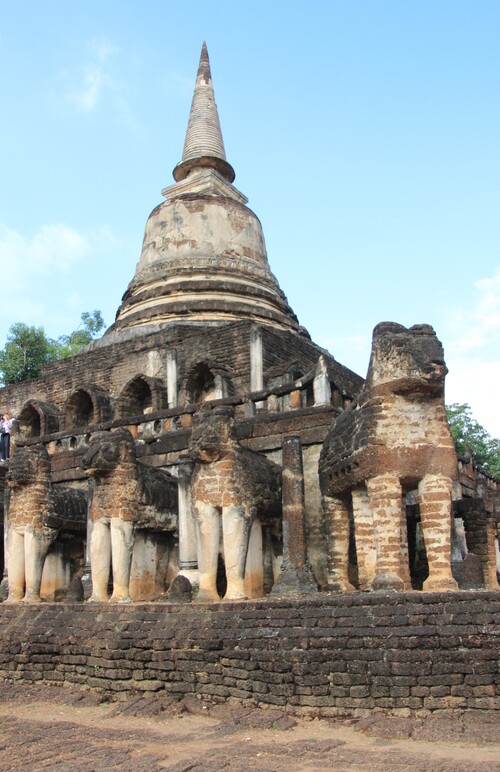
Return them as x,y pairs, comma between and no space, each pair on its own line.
475,380
53,247
53,251
472,347
470,329
97,80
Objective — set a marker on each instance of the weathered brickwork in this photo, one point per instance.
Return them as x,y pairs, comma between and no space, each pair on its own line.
111,367
333,654
284,347
393,440
480,531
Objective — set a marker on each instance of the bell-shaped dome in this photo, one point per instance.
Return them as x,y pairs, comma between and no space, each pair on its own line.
204,256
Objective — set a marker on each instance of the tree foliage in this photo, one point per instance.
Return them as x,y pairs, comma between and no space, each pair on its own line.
68,345
28,348
26,351
467,433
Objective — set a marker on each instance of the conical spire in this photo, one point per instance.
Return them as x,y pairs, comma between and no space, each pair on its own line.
203,146
203,258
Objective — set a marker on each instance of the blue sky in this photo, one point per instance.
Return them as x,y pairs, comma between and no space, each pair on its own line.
366,134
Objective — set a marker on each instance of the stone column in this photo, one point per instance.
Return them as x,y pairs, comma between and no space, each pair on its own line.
386,504
219,387
321,385
256,363
254,566
256,360
490,564
480,533
336,514
296,575
172,377
267,560
143,568
366,547
4,582
56,574
188,556
434,496
87,569
404,551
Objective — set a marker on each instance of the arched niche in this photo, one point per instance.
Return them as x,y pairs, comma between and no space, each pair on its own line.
207,381
37,418
89,404
142,395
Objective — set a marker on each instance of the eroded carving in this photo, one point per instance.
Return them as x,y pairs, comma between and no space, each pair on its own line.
231,487
127,495
38,511
394,438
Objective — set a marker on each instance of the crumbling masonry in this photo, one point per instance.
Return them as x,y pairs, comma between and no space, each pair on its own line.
205,448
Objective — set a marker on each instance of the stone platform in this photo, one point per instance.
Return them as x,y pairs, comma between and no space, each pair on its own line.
332,654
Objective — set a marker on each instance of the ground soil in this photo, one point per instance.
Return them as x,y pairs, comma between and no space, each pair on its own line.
56,728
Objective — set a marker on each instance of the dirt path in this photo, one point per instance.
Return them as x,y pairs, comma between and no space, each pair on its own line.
65,729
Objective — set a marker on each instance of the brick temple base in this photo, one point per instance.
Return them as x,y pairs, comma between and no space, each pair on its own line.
337,655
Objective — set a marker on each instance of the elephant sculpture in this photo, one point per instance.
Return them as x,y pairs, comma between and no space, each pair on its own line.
393,439
126,495
231,486
38,511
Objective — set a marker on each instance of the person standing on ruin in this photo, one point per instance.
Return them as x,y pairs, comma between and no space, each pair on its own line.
5,427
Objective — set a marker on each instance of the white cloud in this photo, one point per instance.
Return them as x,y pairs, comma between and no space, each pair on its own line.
96,80
475,380
472,348
34,267
53,247
472,328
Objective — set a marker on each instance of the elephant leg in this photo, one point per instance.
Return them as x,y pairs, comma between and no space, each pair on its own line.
254,566
36,545
15,565
386,503
434,496
208,538
236,534
336,512
490,561
366,550
100,560
122,544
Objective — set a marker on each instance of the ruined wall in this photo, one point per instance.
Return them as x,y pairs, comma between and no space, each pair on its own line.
280,346
112,366
335,654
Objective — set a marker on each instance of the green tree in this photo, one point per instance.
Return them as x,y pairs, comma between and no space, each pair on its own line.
28,348
90,326
26,351
467,432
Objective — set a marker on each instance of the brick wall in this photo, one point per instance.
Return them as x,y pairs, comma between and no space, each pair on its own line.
280,346
112,366
336,654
